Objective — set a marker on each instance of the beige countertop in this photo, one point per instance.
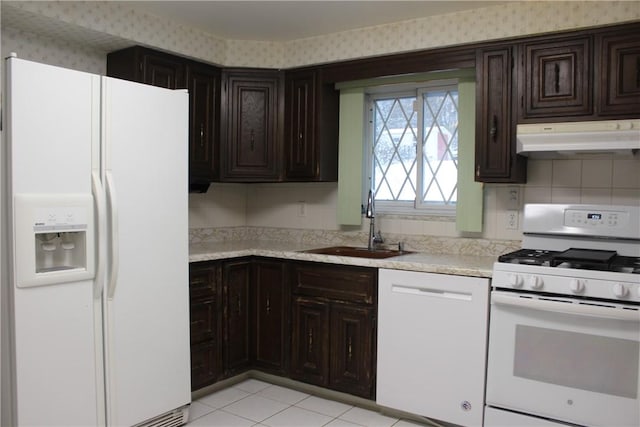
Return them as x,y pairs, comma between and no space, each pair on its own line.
462,265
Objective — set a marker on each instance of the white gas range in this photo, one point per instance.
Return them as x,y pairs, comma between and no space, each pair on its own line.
564,343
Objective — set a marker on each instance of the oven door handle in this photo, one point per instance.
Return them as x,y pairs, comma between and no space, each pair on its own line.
566,307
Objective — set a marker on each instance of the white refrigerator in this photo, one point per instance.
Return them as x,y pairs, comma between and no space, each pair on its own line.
95,263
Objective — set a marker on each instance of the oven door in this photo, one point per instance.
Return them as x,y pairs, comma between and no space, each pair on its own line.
564,359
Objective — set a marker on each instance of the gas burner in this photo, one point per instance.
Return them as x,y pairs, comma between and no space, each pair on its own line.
584,259
528,257
626,264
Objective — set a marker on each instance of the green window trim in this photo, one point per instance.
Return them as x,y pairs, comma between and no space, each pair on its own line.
469,206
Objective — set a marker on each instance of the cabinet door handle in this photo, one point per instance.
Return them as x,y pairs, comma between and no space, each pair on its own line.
557,73
268,304
493,132
349,350
201,135
638,71
310,341
239,305
251,142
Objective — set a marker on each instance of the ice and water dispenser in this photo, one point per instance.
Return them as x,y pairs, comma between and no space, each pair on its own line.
54,239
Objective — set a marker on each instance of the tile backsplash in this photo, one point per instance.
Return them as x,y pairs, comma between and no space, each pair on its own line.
605,180
596,181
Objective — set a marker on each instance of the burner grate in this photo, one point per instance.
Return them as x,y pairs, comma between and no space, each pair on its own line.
528,256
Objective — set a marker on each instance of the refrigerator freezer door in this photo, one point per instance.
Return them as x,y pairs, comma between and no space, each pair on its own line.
147,309
55,330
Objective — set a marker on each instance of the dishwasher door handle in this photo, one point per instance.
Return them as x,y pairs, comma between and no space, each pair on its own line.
438,293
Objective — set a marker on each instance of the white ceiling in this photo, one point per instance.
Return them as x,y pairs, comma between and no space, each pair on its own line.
290,20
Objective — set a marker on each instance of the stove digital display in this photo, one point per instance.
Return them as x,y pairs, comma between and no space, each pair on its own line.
594,216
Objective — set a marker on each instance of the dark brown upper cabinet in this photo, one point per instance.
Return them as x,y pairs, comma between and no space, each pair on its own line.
496,159
619,73
147,66
311,127
556,80
203,82
251,125
155,68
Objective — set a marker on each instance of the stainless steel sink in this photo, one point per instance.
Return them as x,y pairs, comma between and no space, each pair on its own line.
358,252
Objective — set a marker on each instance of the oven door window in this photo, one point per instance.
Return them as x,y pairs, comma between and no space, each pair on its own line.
576,360
565,362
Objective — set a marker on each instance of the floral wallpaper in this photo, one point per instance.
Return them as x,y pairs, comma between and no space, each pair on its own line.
104,26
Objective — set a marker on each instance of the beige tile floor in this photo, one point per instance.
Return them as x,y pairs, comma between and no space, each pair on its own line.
258,403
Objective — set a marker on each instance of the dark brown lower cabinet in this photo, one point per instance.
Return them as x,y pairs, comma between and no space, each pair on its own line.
270,316
351,349
239,318
313,322
236,279
205,304
310,341
333,334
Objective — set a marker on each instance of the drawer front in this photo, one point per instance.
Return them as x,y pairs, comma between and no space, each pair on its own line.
336,282
203,280
205,365
203,321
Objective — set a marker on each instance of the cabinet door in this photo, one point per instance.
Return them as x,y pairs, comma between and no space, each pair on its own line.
496,160
163,70
557,78
270,323
620,74
352,349
236,278
310,340
250,141
311,127
204,99
300,142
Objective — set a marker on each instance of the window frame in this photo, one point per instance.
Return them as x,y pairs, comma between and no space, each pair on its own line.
415,89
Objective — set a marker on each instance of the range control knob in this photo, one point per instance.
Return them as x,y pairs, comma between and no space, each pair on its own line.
535,282
515,280
619,290
576,286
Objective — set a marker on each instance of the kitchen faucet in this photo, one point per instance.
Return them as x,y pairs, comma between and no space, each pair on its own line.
374,239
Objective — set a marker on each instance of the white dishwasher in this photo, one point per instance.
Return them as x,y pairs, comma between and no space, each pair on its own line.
432,344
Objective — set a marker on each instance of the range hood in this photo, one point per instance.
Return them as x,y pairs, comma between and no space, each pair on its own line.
620,137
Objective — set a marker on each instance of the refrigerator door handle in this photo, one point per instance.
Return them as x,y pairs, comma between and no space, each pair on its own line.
101,217
115,256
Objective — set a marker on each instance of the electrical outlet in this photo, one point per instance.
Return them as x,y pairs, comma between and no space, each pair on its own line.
302,209
513,198
512,219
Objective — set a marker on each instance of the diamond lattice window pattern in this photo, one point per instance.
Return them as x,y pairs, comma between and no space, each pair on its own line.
398,123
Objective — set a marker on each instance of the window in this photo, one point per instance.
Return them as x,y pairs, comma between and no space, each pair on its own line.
405,175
